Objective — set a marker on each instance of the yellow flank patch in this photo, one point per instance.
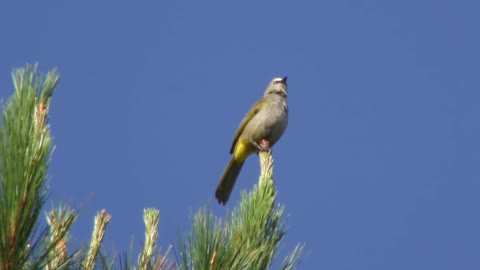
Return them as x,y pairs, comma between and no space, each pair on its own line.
242,151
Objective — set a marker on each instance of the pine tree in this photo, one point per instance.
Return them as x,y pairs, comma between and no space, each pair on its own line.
248,238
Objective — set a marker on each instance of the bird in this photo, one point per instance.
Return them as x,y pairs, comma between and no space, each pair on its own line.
259,130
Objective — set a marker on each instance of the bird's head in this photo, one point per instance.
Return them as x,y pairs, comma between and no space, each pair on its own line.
278,86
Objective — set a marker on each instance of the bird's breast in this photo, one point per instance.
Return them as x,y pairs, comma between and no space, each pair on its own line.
269,123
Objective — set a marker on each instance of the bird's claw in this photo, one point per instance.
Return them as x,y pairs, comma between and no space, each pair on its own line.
262,147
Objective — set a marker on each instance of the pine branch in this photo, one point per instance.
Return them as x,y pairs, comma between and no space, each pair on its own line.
250,236
101,221
59,221
151,218
25,147
150,257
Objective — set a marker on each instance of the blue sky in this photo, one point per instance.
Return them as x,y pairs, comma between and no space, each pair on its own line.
378,169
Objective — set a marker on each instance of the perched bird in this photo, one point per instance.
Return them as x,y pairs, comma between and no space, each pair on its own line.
261,128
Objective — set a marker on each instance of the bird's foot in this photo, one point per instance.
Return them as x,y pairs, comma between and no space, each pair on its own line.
263,146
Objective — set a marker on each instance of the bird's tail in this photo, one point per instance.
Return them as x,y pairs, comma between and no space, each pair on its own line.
229,177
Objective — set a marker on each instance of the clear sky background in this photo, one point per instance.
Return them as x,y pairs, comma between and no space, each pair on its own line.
378,169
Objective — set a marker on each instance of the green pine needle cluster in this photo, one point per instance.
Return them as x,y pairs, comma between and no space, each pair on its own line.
25,146
248,238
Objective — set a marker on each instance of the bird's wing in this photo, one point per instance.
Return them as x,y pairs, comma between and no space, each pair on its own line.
253,111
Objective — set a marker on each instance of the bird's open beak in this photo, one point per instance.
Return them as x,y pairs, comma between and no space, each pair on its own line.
284,80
